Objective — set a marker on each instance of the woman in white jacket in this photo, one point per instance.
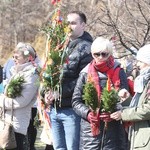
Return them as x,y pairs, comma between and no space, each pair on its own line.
25,68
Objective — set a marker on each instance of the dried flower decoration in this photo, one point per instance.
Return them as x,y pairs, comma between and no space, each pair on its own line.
55,56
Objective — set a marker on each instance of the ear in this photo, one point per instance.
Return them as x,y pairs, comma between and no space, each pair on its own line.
83,25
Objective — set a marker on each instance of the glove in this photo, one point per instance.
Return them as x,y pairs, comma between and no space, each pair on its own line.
93,117
105,117
94,120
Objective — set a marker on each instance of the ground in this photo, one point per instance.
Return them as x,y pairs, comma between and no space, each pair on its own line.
38,144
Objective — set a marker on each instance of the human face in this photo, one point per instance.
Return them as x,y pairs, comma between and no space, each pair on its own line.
141,65
76,26
19,59
100,56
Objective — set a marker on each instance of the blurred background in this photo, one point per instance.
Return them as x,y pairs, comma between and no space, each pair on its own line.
125,22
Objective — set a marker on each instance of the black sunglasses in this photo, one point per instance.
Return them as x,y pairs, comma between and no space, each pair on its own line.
103,54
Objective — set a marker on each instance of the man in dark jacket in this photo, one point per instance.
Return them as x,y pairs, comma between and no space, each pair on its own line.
64,121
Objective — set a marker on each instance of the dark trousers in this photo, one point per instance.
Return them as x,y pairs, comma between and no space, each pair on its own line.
49,147
32,131
19,140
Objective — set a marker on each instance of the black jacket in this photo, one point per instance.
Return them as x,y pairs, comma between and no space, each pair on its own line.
115,138
79,51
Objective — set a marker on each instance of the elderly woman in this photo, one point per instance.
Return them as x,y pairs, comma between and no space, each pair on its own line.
102,66
24,75
139,111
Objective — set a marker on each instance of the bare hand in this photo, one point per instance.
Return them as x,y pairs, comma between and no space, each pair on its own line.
123,94
116,115
49,98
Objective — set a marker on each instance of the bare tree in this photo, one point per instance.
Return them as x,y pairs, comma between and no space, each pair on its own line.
126,20
20,21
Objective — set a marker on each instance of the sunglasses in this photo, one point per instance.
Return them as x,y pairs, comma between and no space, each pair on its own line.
103,54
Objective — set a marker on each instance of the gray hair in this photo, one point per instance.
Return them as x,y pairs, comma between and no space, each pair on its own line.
26,49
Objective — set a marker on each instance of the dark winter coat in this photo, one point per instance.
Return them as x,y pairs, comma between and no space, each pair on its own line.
115,136
79,55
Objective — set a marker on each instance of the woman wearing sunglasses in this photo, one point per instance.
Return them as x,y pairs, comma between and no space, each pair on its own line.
101,67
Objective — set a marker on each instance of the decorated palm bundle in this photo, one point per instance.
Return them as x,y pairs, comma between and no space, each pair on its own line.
15,87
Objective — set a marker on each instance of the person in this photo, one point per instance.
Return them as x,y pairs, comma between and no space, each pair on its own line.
6,70
99,70
25,73
1,88
65,123
1,79
32,131
46,135
139,111
129,65
1,74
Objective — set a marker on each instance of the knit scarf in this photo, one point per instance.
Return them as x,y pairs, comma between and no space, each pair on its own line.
103,67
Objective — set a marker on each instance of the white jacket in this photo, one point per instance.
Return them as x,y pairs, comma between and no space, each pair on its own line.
22,104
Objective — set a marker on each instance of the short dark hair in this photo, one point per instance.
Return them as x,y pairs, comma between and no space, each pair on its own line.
81,15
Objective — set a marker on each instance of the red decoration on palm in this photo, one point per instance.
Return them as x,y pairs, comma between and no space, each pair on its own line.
54,1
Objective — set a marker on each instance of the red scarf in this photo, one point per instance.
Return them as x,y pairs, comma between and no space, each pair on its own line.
103,67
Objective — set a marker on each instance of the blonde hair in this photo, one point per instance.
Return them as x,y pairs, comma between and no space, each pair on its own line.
102,44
